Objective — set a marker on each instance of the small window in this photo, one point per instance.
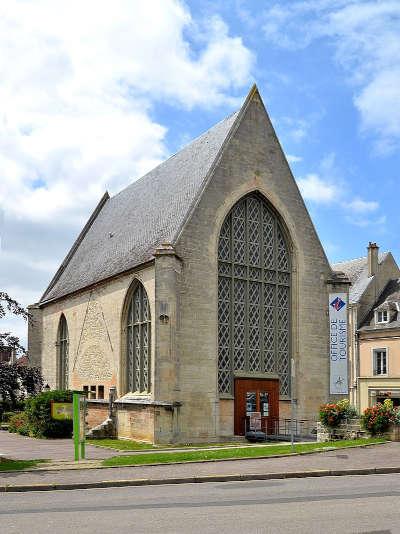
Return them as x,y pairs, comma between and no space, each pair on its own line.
62,363
92,392
382,316
86,390
380,362
100,392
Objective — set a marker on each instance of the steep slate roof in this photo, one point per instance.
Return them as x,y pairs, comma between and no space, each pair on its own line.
357,272
125,229
390,300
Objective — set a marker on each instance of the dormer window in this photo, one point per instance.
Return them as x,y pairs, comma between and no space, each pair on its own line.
382,317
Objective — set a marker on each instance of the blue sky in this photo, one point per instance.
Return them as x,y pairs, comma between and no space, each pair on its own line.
94,95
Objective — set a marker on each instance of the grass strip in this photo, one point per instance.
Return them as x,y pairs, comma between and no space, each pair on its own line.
18,465
247,452
120,444
130,445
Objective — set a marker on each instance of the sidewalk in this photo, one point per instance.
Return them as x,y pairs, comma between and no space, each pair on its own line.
19,447
377,458
24,448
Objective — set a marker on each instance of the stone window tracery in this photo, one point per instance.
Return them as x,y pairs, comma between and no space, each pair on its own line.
138,342
62,342
254,284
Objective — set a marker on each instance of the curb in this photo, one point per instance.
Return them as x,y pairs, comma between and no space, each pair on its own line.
238,459
211,460
198,479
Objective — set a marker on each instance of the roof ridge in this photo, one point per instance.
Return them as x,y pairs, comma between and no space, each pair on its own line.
360,258
192,142
185,170
349,261
234,126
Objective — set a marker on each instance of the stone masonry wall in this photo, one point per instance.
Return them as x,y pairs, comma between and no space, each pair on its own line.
253,161
136,422
35,331
97,333
348,429
97,413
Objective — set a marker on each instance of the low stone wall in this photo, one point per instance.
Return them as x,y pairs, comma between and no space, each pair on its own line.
348,429
394,433
135,421
97,412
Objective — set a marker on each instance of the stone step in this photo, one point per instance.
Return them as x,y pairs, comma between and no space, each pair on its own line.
106,429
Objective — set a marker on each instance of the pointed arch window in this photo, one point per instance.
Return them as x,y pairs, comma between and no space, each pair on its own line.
138,343
254,285
63,342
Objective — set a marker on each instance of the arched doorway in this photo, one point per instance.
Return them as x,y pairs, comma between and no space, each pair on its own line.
254,284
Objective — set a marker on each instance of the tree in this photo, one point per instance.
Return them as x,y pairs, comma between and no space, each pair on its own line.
8,341
16,381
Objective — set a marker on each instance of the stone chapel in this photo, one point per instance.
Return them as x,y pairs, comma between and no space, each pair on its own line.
195,292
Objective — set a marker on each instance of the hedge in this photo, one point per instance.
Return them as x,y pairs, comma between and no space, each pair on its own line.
38,411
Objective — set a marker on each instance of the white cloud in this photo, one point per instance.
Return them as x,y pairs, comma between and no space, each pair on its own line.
364,222
366,41
293,159
313,188
294,128
79,82
358,205
329,189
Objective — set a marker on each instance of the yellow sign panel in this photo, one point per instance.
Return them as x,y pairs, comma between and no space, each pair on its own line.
61,410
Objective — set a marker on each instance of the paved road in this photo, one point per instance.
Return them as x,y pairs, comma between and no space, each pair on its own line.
363,504
387,455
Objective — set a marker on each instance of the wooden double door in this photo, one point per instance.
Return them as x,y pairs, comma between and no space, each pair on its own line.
256,395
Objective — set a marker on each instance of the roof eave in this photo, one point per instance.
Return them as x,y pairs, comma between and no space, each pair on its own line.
90,287
75,246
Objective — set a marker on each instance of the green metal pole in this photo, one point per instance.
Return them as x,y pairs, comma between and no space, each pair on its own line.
83,442
75,407
292,401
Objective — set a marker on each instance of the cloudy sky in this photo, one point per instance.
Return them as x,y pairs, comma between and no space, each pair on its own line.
95,93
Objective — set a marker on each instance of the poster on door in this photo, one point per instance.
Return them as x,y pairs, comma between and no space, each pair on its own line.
255,421
338,344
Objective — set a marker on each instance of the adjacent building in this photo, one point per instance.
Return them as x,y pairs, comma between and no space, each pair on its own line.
200,292
379,350
372,279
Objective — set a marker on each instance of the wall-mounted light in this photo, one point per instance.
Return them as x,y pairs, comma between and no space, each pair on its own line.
164,318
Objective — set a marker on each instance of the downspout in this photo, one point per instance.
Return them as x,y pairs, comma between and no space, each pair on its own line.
357,368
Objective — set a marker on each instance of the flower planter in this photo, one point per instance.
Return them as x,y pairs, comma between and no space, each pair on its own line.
394,433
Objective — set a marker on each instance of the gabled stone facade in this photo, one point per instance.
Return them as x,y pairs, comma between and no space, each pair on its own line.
180,277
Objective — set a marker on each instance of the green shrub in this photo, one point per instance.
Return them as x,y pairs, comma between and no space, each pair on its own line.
331,415
378,418
7,415
38,410
347,410
19,423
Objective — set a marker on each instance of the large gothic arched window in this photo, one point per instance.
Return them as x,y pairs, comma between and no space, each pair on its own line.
138,346
62,342
253,294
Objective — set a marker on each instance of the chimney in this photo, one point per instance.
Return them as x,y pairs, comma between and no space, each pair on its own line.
373,253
